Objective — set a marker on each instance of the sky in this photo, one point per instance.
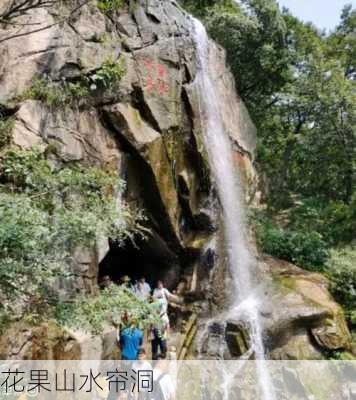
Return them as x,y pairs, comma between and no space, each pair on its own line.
325,14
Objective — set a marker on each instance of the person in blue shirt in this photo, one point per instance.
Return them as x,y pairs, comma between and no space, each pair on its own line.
131,339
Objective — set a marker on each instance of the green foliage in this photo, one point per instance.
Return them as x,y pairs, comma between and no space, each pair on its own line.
335,220
93,313
110,73
46,212
108,6
6,126
55,94
66,93
304,248
342,42
342,273
307,143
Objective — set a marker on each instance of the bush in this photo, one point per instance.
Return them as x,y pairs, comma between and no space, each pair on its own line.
306,249
45,213
55,94
92,313
65,93
107,6
342,273
108,75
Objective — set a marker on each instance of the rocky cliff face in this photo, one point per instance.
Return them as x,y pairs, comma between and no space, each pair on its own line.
147,128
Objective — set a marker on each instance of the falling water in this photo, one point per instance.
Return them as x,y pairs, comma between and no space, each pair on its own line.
241,261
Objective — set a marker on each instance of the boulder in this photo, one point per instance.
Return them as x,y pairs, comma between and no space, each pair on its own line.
49,341
236,339
148,143
73,135
46,341
77,46
304,320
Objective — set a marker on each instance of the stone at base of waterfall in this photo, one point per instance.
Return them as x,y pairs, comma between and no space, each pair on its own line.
305,321
214,344
236,338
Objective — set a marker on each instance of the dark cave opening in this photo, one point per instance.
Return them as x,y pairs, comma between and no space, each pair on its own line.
148,257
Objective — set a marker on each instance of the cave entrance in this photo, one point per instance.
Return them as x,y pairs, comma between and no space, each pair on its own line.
150,258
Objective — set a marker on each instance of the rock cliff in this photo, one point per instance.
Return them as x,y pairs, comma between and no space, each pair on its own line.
146,128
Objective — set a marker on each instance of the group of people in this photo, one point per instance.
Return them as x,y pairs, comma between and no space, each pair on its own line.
131,337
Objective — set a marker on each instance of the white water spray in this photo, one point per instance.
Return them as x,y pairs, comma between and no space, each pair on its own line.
241,261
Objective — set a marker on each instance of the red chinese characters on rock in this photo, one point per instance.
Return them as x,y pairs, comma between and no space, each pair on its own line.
156,78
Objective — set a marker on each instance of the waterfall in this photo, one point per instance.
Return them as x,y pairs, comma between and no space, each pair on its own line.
242,263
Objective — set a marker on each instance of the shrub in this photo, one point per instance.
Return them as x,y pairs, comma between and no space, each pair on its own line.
60,94
109,74
306,249
342,273
55,94
107,6
45,213
91,314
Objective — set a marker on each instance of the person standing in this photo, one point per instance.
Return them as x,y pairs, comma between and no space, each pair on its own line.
159,333
131,339
142,289
163,295
161,292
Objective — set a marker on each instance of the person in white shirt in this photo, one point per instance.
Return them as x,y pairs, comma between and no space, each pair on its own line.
163,294
161,291
142,289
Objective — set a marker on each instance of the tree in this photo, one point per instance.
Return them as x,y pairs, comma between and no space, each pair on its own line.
45,213
309,131
342,42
